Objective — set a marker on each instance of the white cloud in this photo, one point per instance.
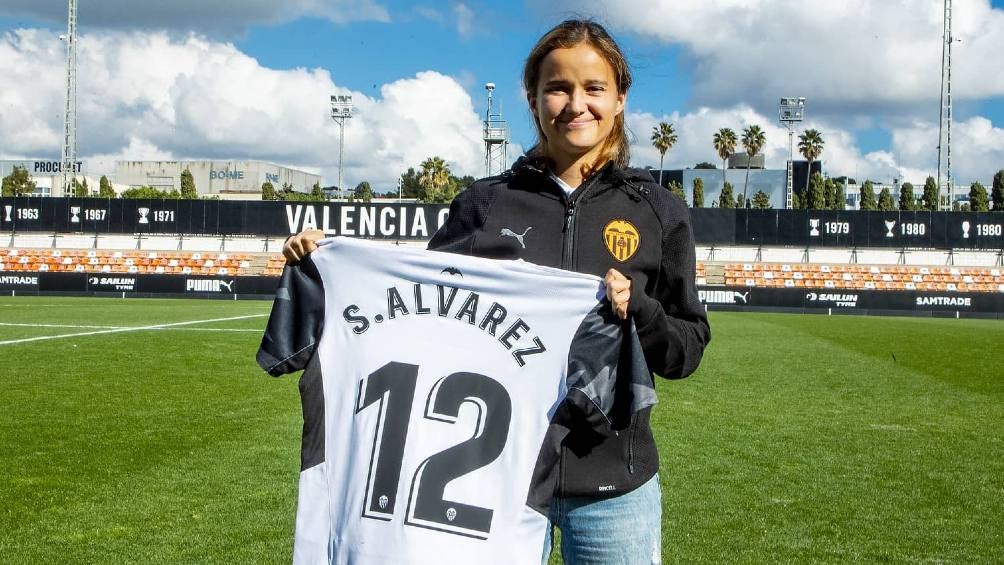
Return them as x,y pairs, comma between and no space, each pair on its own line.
31,100
460,16
429,13
850,58
154,96
977,148
151,96
213,17
465,19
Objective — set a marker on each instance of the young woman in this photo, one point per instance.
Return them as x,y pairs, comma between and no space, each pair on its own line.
573,203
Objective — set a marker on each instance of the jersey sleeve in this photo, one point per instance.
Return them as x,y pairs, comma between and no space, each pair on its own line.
294,325
608,378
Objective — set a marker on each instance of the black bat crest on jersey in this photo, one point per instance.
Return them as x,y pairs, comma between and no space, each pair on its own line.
452,271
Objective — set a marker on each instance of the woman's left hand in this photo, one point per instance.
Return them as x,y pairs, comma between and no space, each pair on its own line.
618,292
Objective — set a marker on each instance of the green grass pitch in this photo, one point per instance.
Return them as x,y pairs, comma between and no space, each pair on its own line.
800,439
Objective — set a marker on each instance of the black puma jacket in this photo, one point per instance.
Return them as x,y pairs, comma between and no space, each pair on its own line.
619,218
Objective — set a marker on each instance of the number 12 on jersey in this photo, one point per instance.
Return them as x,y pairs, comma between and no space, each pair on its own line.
392,389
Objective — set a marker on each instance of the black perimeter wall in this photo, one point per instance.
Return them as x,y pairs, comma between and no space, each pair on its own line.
794,228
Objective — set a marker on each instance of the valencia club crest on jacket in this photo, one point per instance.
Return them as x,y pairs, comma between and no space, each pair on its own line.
621,239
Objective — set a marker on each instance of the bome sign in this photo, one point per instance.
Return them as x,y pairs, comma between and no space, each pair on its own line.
226,174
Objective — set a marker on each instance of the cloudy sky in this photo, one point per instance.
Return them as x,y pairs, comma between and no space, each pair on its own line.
250,79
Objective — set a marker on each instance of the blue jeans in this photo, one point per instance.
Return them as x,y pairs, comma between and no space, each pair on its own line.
623,530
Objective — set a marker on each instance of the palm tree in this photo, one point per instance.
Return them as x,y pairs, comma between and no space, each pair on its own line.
435,172
663,138
725,145
754,139
810,145
434,177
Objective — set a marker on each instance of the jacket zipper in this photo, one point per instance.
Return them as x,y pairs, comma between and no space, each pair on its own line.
631,449
566,252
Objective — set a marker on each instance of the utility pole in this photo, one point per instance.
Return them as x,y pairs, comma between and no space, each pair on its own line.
791,111
69,153
496,137
946,187
341,110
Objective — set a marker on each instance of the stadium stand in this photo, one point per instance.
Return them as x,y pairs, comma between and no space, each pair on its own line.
856,277
130,262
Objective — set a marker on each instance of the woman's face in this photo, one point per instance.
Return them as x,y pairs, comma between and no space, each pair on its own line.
576,102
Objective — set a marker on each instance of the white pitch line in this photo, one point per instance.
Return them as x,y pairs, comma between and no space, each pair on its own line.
129,329
78,327
62,326
210,330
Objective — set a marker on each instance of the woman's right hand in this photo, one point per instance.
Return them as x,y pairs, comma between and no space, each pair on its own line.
298,246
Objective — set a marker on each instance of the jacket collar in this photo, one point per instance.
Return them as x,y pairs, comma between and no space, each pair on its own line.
608,174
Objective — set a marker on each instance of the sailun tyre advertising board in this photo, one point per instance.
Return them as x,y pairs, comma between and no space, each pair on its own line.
118,283
414,221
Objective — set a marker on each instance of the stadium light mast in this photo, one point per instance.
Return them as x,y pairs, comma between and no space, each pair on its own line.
945,117
496,137
791,111
341,110
69,150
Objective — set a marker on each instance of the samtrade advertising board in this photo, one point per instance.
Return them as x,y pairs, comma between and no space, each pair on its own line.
19,281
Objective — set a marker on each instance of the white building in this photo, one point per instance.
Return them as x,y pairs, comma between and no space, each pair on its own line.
236,180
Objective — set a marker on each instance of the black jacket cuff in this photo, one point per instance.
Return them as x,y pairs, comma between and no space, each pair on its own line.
642,308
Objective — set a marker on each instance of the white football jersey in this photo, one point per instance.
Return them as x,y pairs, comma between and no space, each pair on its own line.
430,382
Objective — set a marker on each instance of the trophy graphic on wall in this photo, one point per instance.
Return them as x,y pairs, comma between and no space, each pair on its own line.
889,224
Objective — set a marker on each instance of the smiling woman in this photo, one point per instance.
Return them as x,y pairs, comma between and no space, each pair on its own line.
576,92
572,202
590,212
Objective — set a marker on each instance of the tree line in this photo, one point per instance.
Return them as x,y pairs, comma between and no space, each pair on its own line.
20,183
820,193
432,183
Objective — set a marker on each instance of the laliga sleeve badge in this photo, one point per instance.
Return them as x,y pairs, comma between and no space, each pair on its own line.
621,239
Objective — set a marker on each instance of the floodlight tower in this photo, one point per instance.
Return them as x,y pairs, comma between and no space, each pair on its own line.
790,112
341,110
69,153
945,118
496,136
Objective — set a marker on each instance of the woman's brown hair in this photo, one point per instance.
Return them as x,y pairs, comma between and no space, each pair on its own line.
566,35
